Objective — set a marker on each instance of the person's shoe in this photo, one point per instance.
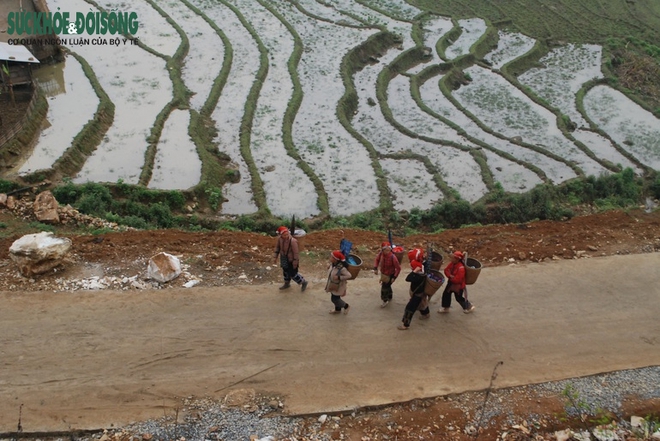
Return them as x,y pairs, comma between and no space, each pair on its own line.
443,310
303,287
424,317
469,310
334,311
346,309
385,303
402,328
286,285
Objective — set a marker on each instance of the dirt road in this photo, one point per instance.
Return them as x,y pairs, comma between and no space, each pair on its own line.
92,359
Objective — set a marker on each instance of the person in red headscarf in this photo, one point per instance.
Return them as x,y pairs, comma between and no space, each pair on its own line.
287,250
337,283
416,254
455,273
389,271
417,279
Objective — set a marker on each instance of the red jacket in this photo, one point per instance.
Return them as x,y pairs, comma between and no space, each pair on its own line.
455,273
390,265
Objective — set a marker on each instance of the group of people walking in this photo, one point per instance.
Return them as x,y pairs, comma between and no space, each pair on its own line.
389,267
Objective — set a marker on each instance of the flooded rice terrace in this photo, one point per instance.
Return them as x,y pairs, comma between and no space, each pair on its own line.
275,76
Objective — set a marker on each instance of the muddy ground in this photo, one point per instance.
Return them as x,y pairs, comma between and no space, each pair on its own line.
231,258
237,258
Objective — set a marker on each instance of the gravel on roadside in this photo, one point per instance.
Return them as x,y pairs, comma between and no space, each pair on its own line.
585,398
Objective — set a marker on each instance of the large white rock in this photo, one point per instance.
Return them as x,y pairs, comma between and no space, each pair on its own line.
164,267
39,253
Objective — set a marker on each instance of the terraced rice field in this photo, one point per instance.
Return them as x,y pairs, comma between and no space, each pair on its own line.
343,106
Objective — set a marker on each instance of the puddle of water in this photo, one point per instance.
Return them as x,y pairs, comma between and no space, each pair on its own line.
229,110
205,55
511,45
410,184
279,173
371,124
603,148
473,29
507,110
154,30
629,125
177,164
50,79
338,159
407,113
433,30
138,84
328,12
566,70
399,9
514,177
556,171
68,111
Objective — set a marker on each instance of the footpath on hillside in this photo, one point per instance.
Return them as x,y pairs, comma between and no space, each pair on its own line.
97,359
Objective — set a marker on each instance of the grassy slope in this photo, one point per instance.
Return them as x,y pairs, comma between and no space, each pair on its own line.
577,21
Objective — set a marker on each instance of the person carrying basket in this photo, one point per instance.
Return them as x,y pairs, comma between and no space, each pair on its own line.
338,276
455,273
418,298
389,271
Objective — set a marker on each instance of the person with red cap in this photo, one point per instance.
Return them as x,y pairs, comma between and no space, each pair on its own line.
336,285
389,271
287,251
416,254
418,298
455,273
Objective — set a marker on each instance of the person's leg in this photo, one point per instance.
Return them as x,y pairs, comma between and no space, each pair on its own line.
446,300
287,279
407,318
383,295
299,279
410,309
386,292
465,304
338,302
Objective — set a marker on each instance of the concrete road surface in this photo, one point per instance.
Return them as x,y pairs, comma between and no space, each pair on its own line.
92,359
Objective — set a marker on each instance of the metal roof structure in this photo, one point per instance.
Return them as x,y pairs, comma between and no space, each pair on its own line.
19,54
